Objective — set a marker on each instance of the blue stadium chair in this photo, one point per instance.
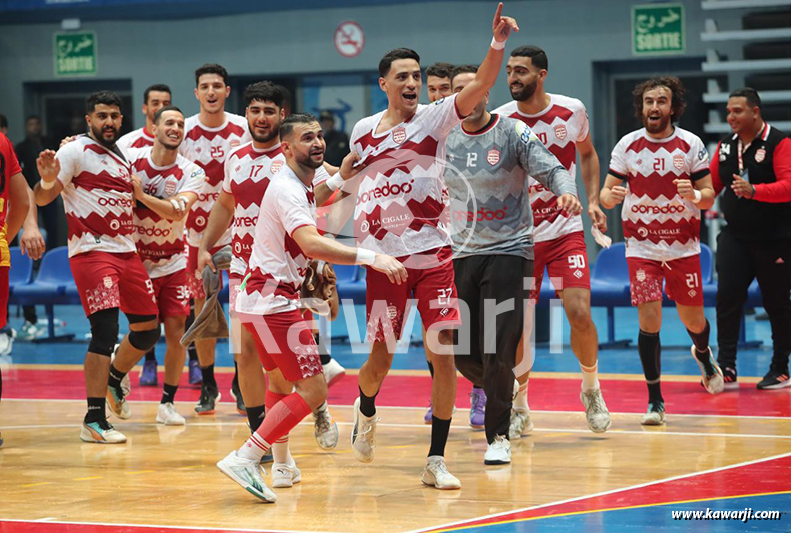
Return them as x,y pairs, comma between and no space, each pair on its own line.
21,271
351,283
224,297
610,287
54,285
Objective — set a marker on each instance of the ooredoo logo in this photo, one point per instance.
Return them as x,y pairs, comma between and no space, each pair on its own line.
208,196
481,215
116,202
245,221
670,209
384,191
153,232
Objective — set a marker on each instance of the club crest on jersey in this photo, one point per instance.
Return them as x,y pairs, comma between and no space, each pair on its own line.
493,156
399,135
276,166
760,155
560,132
678,161
170,187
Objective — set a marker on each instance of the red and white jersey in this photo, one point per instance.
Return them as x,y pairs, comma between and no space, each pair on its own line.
135,139
247,175
400,207
659,224
277,265
563,123
209,148
97,197
160,242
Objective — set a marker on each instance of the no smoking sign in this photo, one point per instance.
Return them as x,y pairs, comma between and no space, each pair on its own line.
349,39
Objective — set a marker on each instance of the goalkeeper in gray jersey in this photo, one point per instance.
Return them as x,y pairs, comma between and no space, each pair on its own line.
489,160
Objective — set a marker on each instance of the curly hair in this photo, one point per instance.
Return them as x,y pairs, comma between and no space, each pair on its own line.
678,103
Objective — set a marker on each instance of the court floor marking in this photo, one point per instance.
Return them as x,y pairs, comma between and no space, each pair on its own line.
427,426
631,507
451,525
51,520
462,409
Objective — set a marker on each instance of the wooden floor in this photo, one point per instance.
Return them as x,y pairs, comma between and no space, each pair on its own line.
167,476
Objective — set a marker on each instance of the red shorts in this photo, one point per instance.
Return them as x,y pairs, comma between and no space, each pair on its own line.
434,289
173,295
106,280
682,278
566,261
195,278
3,296
285,341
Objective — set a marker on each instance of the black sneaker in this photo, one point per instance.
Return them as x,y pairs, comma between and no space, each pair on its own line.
774,379
236,394
730,378
208,398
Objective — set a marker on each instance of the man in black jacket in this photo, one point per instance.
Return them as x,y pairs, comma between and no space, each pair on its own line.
753,167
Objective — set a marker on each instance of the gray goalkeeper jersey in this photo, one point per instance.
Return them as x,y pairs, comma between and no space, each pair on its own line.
487,180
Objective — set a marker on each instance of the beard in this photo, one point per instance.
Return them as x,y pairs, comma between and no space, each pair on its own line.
274,131
656,128
307,161
525,93
98,134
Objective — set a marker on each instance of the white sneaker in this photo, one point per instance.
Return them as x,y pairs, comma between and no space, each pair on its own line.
284,476
715,383
655,416
101,433
324,428
498,452
596,411
168,415
516,391
31,331
363,435
436,474
520,423
247,473
7,342
333,371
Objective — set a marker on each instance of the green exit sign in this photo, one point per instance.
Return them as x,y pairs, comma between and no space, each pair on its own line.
658,29
75,54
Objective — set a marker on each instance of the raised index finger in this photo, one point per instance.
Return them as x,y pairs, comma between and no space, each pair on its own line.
497,13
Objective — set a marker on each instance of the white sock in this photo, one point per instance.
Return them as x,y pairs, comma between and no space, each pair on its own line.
281,452
253,449
590,377
520,404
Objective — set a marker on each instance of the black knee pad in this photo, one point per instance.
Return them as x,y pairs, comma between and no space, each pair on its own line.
144,340
104,331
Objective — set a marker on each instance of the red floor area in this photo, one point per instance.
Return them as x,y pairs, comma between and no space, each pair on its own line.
554,394
764,477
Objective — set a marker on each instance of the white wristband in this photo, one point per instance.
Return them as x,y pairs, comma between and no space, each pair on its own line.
496,45
47,184
335,182
698,197
365,257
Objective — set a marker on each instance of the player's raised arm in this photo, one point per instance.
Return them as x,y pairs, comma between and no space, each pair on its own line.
486,77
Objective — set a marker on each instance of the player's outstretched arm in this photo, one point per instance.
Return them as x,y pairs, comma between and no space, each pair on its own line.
591,179
486,77
318,247
18,205
613,192
48,168
220,219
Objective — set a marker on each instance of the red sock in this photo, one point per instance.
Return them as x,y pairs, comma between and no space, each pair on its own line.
281,418
272,398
